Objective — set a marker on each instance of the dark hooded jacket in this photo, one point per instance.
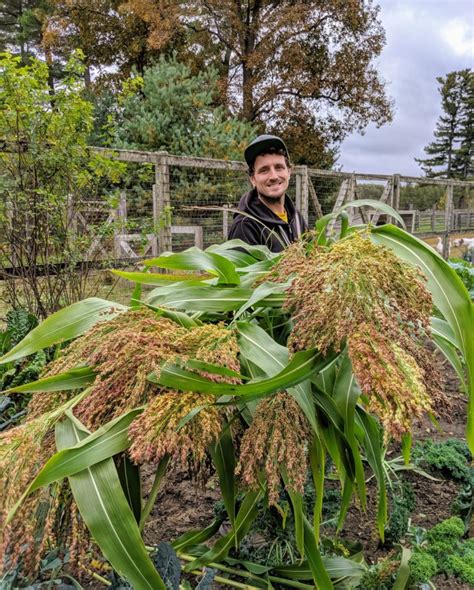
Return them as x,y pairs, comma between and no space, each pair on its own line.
269,230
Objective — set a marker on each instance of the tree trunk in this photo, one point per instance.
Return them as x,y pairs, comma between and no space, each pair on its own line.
248,81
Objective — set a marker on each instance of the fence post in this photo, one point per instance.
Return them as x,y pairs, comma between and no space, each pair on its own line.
161,206
225,221
298,191
396,195
304,204
433,218
120,223
448,217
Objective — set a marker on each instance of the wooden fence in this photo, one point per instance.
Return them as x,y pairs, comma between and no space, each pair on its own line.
435,221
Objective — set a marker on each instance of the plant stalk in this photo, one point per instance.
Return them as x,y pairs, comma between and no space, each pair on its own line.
161,470
227,581
249,575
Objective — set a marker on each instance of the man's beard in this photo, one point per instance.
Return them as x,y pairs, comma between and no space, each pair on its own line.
271,200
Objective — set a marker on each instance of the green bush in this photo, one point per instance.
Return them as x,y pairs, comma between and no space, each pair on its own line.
461,566
423,566
465,270
19,323
449,530
403,503
449,457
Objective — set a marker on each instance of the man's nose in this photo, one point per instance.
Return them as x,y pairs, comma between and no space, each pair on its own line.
273,172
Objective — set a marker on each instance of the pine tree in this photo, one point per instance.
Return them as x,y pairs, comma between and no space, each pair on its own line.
21,26
450,154
464,157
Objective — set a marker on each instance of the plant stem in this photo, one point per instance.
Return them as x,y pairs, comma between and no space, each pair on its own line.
249,575
101,579
227,581
163,464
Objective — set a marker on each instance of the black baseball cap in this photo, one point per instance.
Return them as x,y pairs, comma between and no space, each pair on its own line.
261,144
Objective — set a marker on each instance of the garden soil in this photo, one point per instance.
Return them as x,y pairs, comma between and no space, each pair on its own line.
184,504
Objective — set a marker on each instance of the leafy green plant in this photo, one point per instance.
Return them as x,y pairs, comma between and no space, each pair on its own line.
46,169
18,323
465,271
193,374
402,505
443,551
450,458
423,566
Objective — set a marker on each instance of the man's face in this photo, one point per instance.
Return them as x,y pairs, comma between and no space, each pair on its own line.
271,176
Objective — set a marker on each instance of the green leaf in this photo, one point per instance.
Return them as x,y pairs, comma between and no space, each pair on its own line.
259,294
104,508
72,379
298,515
407,440
207,298
259,348
129,475
320,575
442,329
403,575
151,278
338,568
374,452
449,294
109,440
245,516
214,369
182,319
345,395
375,205
452,354
223,457
238,258
64,325
317,461
196,537
135,302
302,365
259,252
196,259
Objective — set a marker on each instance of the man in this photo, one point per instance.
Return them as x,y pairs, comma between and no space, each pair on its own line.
268,215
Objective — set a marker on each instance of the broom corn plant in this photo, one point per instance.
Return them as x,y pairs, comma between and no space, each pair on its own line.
264,365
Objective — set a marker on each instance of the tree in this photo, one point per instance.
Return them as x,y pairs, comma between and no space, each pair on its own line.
450,154
173,110
464,157
44,165
21,26
277,61
280,58
119,38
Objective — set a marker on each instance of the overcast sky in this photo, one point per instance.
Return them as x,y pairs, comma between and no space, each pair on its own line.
425,39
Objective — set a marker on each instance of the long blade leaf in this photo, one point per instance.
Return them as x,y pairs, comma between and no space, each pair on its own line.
196,259
110,439
72,379
105,511
301,366
66,324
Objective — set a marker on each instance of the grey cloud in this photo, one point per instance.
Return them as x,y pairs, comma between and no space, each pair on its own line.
414,56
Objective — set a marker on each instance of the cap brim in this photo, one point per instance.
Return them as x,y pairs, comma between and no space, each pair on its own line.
254,150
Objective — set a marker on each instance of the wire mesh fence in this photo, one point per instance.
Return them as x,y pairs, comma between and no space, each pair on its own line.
166,202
